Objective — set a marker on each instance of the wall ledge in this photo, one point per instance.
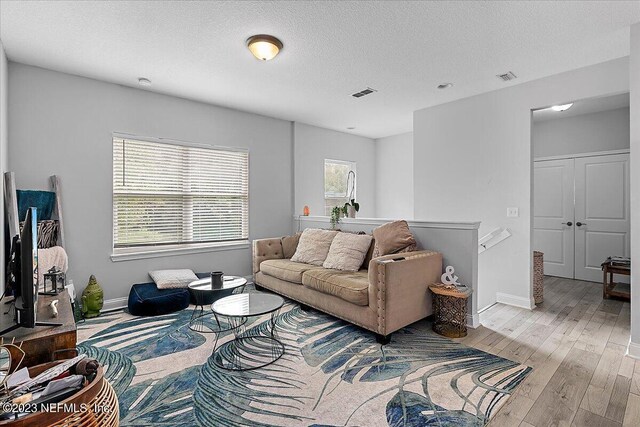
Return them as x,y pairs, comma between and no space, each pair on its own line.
457,225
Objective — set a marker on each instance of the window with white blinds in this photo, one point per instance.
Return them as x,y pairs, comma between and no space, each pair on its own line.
173,194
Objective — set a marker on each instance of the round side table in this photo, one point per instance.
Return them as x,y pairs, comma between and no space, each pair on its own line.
450,311
205,295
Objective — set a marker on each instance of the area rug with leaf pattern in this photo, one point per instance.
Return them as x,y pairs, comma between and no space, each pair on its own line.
332,374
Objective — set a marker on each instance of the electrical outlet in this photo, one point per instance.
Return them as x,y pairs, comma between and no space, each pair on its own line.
512,212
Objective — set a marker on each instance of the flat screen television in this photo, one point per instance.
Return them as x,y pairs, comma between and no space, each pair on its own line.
25,271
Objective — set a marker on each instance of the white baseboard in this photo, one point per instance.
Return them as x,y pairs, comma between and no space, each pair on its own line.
115,304
633,350
515,301
473,320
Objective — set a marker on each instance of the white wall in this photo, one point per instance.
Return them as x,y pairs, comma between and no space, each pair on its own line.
312,145
62,124
473,159
634,86
394,176
4,89
586,133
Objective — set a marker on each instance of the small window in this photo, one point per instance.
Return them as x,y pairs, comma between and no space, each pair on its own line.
173,194
336,192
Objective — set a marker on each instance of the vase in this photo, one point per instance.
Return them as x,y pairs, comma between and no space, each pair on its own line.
216,279
351,211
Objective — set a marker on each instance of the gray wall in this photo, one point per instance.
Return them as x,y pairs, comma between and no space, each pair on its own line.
4,89
62,124
473,160
634,83
586,133
312,146
394,176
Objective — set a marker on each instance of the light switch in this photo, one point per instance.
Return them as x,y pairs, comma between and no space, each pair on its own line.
512,212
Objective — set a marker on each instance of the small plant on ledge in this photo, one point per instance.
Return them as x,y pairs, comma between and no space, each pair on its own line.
336,213
350,208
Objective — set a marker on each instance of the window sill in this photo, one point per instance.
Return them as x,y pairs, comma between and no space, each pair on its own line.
130,254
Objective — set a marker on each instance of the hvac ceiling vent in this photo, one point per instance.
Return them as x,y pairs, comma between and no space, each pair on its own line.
362,93
508,76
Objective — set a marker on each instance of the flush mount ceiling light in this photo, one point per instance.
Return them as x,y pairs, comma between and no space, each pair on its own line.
142,81
264,46
445,85
563,107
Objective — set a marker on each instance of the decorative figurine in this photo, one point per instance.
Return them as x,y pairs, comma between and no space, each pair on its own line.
92,299
305,211
53,307
449,280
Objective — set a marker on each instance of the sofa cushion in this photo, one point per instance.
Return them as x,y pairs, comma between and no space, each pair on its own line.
347,251
349,286
313,246
393,237
290,244
285,269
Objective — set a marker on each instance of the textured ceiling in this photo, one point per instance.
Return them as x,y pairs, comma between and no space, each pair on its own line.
331,49
585,106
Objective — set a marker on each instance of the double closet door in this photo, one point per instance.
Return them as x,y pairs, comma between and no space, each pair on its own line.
581,213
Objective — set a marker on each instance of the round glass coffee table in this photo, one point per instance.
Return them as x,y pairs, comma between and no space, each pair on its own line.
205,295
251,348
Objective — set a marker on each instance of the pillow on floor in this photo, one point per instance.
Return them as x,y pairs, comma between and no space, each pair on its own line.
393,237
347,251
171,279
313,246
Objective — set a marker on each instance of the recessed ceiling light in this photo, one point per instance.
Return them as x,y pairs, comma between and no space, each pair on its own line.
142,81
563,107
264,46
351,127
445,85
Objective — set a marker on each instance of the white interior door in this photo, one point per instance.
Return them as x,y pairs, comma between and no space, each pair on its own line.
553,210
601,212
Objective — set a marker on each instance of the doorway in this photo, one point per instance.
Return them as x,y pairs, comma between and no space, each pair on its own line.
581,198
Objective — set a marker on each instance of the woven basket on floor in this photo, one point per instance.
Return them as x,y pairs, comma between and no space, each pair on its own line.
538,277
96,405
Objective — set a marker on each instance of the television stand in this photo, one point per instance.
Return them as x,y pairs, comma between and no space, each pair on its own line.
50,335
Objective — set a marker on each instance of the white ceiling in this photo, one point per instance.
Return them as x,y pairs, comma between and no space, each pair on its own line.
404,50
584,106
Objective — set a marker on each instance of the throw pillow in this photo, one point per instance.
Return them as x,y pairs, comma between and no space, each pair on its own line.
170,279
347,251
313,246
392,238
290,244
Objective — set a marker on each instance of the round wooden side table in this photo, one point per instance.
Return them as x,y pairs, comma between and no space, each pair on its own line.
450,311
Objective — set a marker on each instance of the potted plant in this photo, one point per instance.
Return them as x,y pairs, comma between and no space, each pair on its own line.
336,213
351,207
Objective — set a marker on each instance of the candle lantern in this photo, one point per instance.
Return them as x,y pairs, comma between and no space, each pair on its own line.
54,281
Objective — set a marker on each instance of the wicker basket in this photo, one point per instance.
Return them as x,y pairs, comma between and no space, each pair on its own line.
98,399
538,277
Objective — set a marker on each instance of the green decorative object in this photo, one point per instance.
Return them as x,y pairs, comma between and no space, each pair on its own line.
92,299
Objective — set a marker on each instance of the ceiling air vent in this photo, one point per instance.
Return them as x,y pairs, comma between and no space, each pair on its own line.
508,76
362,93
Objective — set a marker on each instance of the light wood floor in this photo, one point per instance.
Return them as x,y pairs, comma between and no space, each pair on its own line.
576,343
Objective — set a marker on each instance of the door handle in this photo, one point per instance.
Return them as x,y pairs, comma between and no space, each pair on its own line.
580,224
568,223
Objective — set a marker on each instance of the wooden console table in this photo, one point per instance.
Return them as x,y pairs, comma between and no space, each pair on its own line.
611,288
40,343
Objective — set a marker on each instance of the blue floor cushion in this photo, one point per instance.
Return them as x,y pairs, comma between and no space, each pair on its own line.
145,299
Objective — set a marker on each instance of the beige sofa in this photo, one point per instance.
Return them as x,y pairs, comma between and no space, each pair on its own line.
391,294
